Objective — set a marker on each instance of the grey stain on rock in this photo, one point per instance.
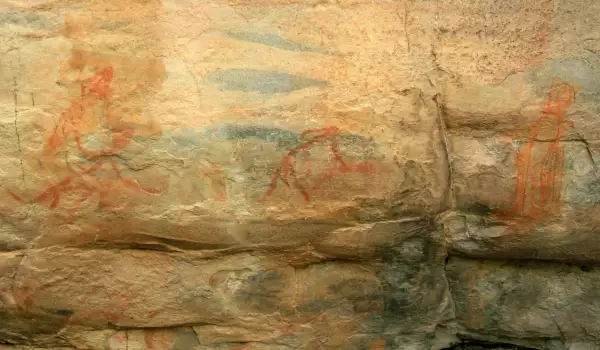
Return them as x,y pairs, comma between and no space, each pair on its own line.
114,25
315,306
276,41
261,291
284,138
64,312
261,81
268,39
27,20
186,339
579,71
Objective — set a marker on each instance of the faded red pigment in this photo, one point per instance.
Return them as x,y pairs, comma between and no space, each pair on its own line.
113,314
27,294
157,340
74,124
378,344
289,175
540,179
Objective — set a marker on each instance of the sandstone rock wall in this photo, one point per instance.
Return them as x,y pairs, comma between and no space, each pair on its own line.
299,174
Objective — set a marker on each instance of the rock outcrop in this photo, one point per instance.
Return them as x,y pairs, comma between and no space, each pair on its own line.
307,174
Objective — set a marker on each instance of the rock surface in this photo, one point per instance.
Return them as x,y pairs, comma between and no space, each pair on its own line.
306,174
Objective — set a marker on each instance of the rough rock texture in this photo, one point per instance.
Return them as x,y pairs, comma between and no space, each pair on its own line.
299,174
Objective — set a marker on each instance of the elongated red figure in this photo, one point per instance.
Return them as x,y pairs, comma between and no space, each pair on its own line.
540,161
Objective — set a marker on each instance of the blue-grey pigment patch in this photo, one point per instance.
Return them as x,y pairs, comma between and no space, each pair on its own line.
182,141
269,40
278,42
283,138
286,138
583,72
262,81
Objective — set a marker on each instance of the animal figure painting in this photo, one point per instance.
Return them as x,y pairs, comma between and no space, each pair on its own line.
307,183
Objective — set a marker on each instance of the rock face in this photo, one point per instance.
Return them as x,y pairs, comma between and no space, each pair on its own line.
369,175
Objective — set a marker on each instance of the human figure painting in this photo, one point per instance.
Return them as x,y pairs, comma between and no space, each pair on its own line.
540,162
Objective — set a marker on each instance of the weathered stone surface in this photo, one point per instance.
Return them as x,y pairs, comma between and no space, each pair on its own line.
292,174
239,298
211,147
484,345
523,164
488,237
525,302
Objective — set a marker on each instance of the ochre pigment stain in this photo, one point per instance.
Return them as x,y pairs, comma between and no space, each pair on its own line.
308,183
78,121
540,162
377,345
113,313
88,138
90,114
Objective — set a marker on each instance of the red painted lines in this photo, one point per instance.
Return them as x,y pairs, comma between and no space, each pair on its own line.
540,162
308,183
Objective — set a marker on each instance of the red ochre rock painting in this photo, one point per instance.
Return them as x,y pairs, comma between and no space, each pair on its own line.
118,341
29,292
25,295
378,344
101,173
158,340
216,176
308,183
112,314
540,162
